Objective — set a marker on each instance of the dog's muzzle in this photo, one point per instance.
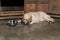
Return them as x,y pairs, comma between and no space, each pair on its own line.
25,22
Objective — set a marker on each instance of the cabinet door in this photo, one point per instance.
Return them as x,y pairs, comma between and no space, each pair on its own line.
42,7
30,7
54,6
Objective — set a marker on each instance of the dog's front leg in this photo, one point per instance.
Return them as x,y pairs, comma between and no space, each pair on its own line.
32,22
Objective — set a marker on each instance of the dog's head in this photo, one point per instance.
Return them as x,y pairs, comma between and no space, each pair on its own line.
27,18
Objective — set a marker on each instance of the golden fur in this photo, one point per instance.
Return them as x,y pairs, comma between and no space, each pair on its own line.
35,17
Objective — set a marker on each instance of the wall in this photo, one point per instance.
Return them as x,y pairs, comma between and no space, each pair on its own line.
36,5
54,6
51,6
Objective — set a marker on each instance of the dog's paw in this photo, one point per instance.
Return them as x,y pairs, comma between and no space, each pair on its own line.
32,23
52,20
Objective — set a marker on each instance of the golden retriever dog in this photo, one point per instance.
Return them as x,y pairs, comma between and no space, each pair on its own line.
36,17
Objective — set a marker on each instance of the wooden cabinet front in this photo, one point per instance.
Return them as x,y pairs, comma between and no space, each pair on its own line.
42,7
30,7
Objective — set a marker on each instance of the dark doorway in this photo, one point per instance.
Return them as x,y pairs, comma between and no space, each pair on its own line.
12,4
